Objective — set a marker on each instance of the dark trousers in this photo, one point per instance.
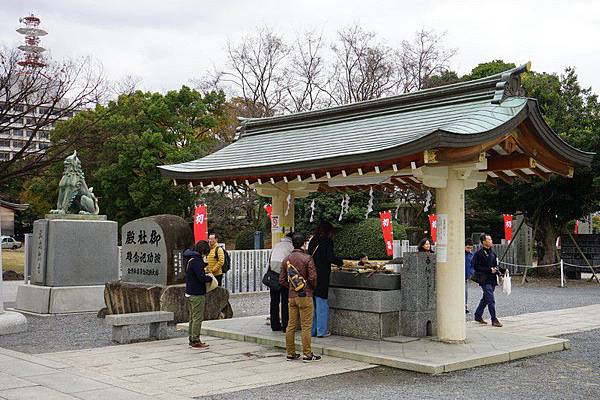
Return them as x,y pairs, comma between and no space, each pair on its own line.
487,300
279,297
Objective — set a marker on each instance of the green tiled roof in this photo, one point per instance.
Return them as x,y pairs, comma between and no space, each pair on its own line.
457,115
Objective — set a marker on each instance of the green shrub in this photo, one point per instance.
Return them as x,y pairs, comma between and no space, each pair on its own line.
244,240
364,237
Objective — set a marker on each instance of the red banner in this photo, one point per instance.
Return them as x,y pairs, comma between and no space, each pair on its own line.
388,231
433,227
508,227
576,227
200,223
269,209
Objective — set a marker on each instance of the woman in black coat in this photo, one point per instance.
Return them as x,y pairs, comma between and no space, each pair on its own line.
321,249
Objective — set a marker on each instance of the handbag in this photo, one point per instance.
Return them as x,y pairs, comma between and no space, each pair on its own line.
213,284
506,283
271,280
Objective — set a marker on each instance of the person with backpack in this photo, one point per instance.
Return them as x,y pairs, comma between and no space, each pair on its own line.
195,290
299,275
216,258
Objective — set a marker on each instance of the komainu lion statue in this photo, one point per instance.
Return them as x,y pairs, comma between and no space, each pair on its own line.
74,196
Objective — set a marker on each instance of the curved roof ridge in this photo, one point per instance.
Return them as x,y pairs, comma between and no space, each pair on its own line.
495,87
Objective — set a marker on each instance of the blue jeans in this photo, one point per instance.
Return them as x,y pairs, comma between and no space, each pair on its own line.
321,317
487,300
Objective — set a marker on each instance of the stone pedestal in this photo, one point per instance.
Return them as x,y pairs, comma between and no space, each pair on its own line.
60,300
418,305
369,314
71,258
69,252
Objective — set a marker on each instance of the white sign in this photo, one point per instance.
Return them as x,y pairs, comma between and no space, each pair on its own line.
441,252
441,246
274,222
442,229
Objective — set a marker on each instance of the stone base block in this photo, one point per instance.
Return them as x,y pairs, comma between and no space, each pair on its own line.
67,252
12,322
361,324
59,300
418,323
375,301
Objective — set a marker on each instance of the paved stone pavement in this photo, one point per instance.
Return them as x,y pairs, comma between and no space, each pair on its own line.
166,369
169,369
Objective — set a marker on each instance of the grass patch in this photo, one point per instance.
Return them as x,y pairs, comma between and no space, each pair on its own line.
13,260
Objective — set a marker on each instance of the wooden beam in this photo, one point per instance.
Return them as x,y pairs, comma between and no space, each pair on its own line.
535,147
541,174
522,175
509,145
502,176
492,181
510,162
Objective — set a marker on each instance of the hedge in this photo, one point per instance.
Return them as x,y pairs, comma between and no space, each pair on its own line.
364,237
244,240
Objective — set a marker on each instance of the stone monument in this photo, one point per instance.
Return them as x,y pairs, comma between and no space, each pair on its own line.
153,273
74,251
418,304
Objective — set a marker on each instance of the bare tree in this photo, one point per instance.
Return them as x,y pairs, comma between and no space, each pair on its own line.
126,85
256,72
306,73
32,101
364,68
422,58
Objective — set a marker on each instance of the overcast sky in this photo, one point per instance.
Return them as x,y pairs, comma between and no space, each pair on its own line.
167,43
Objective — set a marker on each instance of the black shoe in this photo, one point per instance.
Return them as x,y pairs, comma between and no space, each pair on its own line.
480,320
312,357
294,357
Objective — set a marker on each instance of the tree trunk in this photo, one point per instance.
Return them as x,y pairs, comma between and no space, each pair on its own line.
548,234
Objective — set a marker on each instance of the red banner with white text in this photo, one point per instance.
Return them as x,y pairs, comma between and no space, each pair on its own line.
508,227
200,223
433,227
388,231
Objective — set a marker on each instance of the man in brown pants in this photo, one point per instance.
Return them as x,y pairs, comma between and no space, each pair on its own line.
300,303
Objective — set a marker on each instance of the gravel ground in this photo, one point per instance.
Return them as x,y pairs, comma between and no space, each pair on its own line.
537,295
80,331
573,374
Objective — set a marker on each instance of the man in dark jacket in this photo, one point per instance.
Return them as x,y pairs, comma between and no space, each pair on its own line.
485,264
321,249
195,290
300,303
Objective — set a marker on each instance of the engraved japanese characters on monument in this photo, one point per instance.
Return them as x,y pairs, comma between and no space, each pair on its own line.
143,253
151,249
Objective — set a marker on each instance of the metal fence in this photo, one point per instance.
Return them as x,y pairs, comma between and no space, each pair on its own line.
249,266
247,270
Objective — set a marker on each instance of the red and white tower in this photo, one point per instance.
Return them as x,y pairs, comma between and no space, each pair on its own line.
31,49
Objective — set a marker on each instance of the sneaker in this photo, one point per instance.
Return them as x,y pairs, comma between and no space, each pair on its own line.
293,357
325,335
497,324
199,346
480,320
310,358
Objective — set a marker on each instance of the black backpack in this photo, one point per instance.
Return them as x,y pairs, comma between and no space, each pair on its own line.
227,264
